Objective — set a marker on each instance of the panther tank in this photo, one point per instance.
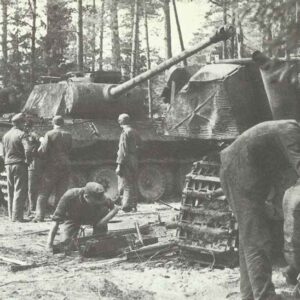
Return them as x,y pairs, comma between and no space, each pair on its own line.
91,108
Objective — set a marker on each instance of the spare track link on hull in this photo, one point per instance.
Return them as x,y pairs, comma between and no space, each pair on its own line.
207,230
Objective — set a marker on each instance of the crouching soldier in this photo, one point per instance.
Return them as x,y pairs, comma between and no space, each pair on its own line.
82,206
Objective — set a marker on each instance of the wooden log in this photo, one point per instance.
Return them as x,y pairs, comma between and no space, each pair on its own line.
14,261
217,232
204,178
16,268
144,229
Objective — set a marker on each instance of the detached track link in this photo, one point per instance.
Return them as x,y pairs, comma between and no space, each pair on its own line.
207,230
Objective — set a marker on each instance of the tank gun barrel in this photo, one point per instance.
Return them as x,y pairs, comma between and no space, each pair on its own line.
222,34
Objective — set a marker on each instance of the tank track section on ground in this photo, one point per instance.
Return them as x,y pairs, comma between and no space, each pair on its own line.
207,230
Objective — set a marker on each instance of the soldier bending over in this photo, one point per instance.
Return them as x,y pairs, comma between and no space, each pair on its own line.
82,206
249,166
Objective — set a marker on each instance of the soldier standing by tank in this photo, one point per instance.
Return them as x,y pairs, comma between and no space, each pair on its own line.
15,152
127,160
34,166
249,166
55,148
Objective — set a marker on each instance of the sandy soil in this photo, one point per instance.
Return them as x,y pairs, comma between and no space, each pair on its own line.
72,277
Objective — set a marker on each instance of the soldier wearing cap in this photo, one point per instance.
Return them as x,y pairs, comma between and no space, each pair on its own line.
55,149
127,163
15,152
82,206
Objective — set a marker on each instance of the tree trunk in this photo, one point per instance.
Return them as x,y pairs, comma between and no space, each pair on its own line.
94,36
4,42
232,48
33,39
80,38
148,59
46,52
135,41
179,30
168,45
240,39
115,41
101,35
224,48
15,75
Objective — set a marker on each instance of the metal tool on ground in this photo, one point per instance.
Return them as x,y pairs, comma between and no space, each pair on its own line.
167,204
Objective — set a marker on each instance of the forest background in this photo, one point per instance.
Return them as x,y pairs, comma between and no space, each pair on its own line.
49,38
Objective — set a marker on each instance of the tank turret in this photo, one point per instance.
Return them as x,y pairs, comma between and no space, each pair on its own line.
81,99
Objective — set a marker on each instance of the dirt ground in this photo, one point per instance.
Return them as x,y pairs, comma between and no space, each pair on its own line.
72,277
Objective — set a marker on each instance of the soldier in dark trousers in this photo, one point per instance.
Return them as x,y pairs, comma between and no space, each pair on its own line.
15,152
34,167
55,149
127,163
82,206
249,165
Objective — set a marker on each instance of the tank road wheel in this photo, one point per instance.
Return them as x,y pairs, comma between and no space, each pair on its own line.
152,183
108,178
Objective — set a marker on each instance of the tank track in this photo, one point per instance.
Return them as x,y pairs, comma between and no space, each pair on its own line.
207,230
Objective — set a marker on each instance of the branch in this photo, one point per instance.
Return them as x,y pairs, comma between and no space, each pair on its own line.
22,22
30,6
216,2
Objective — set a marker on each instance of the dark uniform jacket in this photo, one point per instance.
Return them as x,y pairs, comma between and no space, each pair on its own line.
129,144
56,147
262,151
15,147
33,145
73,207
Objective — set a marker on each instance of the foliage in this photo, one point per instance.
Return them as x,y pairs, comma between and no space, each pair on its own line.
59,31
283,19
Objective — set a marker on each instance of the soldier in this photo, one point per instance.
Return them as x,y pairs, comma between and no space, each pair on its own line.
82,206
15,152
127,163
34,166
249,165
55,149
